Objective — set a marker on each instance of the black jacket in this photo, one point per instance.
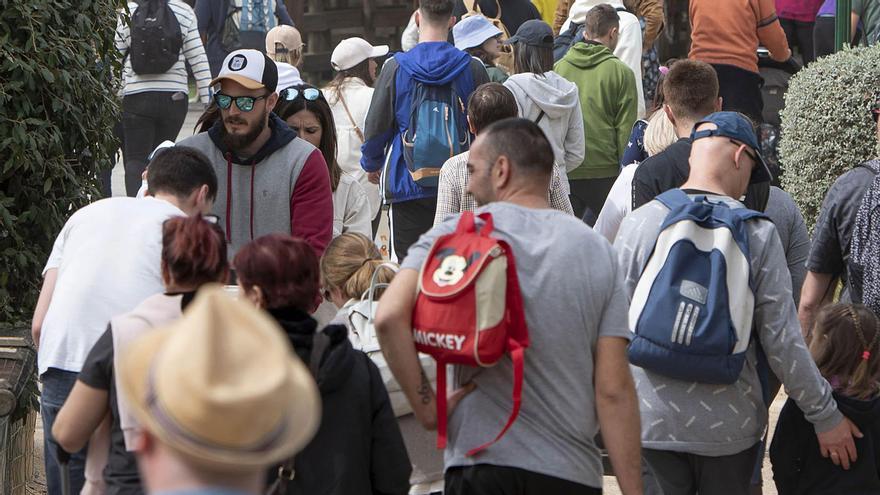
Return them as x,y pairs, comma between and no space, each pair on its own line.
670,169
358,448
798,466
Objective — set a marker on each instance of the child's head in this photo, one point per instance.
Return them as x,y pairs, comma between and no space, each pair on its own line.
845,348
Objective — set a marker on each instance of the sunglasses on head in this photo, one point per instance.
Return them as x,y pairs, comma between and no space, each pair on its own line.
244,103
310,94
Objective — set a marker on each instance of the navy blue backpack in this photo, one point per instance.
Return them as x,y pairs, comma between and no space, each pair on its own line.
691,312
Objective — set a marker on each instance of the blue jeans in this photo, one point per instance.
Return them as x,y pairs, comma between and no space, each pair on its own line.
56,387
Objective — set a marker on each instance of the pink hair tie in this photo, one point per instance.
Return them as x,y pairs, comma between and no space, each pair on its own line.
664,70
866,355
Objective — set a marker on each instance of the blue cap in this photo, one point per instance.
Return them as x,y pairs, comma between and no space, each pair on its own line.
473,31
534,32
736,126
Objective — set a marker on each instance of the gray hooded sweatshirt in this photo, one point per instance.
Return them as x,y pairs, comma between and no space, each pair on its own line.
562,122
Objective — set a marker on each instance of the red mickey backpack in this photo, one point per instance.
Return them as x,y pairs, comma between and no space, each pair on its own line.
469,310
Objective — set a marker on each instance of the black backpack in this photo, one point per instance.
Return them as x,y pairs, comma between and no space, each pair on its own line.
156,38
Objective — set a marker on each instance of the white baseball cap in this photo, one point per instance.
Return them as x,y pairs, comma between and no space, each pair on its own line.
250,68
352,51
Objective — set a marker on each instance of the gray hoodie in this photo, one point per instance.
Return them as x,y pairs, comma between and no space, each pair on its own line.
562,122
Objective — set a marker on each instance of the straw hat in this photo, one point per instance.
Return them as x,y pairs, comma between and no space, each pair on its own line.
222,386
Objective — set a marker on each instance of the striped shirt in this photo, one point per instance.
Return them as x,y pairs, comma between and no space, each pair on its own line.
176,78
452,195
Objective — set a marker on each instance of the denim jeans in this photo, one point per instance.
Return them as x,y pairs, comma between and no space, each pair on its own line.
148,119
56,387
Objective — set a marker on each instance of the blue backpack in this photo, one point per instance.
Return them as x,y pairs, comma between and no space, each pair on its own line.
691,312
437,131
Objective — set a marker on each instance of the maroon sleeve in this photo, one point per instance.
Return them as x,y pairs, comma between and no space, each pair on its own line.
311,206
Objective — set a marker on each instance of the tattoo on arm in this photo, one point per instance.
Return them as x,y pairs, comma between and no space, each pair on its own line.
425,389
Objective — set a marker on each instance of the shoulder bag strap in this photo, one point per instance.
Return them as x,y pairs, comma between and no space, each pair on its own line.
357,128
472,7
286,471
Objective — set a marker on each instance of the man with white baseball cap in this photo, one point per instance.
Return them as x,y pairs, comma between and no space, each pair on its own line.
221,396
274,180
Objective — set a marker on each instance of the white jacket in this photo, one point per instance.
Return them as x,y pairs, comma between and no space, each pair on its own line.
629,46
351,210
563,121
357,96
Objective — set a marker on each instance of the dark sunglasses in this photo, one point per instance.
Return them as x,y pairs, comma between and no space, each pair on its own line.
244,103
310,94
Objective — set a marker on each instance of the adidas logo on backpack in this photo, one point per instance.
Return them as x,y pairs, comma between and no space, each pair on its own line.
469,310
692,308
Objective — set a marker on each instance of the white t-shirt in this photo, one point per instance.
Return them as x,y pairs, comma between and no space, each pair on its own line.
108,257
617,205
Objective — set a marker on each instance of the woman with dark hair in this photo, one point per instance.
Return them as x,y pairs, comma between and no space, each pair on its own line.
193,254
358,448
306,111
545,97
349,95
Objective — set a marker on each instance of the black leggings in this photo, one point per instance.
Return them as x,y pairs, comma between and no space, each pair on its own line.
800,34
148,119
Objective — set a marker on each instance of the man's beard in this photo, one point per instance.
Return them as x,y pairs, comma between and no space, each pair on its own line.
238,142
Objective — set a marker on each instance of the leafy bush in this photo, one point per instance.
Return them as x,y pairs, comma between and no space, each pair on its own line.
827,127
57,110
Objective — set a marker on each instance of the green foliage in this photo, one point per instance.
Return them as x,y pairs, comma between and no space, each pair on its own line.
57,110
827,127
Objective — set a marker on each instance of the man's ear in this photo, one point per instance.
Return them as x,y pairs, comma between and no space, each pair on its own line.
471,125
668,111
452,21
418,18
271,101
501,171
719,104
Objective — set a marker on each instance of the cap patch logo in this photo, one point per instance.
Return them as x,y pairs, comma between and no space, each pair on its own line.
237,63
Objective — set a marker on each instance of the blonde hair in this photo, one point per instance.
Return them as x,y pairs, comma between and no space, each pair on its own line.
349,263
292,57
660,133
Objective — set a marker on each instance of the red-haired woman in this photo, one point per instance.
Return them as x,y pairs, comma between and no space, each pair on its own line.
358,448
193,254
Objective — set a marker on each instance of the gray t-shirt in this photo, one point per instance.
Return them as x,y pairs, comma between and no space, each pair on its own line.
573,294
792,230
718,420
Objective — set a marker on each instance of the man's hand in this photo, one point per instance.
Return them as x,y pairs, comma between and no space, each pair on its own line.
838,444
455,397
373,177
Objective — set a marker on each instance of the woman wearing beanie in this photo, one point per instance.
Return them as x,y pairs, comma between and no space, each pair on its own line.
349,95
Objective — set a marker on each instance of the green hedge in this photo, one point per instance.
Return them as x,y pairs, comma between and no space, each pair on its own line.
58,106
827,127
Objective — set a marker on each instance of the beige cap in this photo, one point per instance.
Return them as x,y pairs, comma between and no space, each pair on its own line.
222,386
286,36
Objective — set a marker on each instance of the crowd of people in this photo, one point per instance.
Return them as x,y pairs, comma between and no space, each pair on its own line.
230,327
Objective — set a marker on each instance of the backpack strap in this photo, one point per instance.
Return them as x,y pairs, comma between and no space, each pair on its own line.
540,117
472,7
674,198
517,341
441,405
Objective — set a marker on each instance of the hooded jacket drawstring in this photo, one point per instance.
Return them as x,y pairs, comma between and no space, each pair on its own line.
253,171
229,196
